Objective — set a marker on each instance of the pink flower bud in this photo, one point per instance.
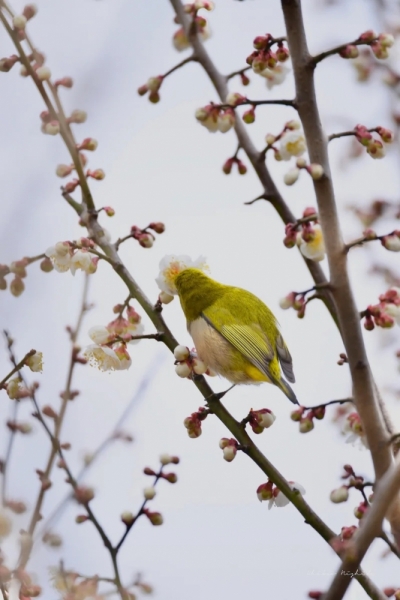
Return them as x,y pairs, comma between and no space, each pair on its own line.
97,174
316,595
66,82
241,167
282,54
83,494
297,414
145,240
7,63
142,90
245,80
157,227
88,144
227,167
81,519
260,42
339,495
30,11
287,301
71,186
264,491
368,36
155,518
48,411
386,135
381,52
350,51
171,477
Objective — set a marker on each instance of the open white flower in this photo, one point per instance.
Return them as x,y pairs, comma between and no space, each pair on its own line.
394,311
105,359
292,143
60,256
171,265
275,76
99,334
81,260
315,249
279,499
35,362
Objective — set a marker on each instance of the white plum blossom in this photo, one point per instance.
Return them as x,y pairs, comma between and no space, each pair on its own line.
181,353
291,176
81,260
99,334
171,265
35,362
292,143
279,499
105,359
314,249
226,121
275,76
60,256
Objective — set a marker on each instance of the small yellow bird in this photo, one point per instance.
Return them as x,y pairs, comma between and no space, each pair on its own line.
234,332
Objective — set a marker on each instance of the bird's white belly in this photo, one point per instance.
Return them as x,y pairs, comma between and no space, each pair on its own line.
216,352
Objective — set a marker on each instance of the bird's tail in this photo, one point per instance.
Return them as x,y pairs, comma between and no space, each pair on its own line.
287,390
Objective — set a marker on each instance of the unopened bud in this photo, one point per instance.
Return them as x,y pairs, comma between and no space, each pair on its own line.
339,495
181,353
149,493
19,21
43,73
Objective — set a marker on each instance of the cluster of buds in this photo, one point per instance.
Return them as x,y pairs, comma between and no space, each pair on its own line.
260,419
187,363
145,237
269,492
193,423
341,494
384,314
152,88
62,170
18,269
216,118
305,417
229,448
268,63
379,44
72,256
19,22
109,351
306,233
390,241
234,160
180,39
375,148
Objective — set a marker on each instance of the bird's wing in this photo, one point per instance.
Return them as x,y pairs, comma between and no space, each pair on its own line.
285,359
250,342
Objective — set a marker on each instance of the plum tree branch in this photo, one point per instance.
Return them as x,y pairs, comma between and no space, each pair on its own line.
364,388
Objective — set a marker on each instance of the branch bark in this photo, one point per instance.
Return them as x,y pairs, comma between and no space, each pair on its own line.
365,394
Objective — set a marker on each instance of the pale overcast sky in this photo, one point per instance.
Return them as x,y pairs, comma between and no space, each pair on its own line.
217,541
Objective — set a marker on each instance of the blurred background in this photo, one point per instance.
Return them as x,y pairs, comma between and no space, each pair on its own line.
217,540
